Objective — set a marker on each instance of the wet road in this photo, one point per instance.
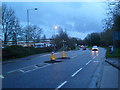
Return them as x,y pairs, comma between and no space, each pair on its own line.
76,72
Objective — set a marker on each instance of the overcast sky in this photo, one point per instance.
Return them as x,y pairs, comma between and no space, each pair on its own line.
78,18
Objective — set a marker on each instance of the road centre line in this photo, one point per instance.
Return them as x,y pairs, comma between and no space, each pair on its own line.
77,72
94,57
1,76
88,62
61,85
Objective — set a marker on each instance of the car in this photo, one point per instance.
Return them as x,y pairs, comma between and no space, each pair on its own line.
94,48
81,46
84,48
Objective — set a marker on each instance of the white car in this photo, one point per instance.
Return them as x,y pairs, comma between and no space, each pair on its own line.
94,48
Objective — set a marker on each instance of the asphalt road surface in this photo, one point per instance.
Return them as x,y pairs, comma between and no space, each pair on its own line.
76,72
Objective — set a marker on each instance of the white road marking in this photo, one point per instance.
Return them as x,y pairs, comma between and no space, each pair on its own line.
55,63
77,72
94,57
21,70
88,62
61,85
95,61
11,71
44,55
58,53
36,68
1,76
74,56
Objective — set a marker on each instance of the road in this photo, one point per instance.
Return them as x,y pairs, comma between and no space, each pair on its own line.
76,72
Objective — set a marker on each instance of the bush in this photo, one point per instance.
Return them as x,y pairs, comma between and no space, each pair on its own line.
11,52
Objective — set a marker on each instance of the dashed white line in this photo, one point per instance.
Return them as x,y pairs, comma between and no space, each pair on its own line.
61,85
88,62
77,72
74,57
94,57
1,76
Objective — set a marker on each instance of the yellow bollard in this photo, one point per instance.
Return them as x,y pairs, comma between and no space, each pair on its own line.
52,57
63,54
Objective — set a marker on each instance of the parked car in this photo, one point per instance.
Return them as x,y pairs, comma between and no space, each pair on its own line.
94,48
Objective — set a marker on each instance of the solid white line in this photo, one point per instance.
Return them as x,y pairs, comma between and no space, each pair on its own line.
44,55
21,70
88,62
58,53
61,85
11,71
77,72
1,76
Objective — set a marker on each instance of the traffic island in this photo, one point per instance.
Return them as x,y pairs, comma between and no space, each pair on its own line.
64,58
53,61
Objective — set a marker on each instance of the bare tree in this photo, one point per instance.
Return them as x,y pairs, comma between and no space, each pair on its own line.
36,33
32,33
27,32
43,38
10,24
16,31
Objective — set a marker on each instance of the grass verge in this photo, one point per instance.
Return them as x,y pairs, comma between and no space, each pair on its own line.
115,54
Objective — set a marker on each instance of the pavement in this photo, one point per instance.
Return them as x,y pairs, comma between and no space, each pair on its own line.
111,73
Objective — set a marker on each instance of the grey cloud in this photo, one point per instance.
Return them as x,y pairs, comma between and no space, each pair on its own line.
86,17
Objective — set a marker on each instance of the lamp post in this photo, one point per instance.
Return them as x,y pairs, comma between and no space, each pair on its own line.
28,18
55,28
28,15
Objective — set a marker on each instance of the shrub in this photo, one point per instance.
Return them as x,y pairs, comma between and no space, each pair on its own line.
11,52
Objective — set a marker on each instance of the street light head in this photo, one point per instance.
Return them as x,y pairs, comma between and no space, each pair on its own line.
36,9
56,27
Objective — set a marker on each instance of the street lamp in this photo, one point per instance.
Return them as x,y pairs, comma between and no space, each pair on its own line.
28,15
28,18
55,28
